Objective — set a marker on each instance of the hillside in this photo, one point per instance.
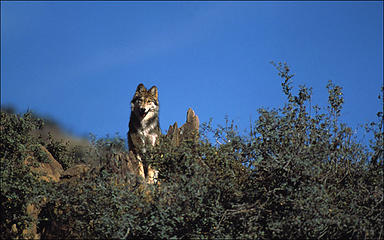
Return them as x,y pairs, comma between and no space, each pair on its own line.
294,176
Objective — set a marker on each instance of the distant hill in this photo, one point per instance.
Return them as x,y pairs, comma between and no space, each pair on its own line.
53,128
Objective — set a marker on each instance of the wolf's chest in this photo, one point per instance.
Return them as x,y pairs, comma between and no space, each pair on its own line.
148,136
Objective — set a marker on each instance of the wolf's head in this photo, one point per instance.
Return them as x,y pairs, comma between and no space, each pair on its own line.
145,103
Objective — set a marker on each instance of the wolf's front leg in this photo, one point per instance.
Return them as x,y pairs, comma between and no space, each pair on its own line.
152,175
140,167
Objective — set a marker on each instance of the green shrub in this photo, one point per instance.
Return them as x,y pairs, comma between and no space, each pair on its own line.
91,208
16,145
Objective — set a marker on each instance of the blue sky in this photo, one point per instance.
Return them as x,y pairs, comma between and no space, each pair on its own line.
80,62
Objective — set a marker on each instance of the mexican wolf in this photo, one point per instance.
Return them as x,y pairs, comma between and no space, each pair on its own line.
144,127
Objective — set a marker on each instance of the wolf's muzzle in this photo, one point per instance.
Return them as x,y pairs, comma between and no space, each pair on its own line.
143,112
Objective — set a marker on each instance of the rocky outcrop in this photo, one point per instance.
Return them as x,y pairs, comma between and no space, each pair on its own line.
188,131
125,166
79,170
48,171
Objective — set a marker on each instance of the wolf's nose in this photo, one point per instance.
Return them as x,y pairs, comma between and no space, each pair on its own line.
142,111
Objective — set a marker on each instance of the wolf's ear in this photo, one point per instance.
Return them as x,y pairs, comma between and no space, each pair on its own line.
141,88
153,91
